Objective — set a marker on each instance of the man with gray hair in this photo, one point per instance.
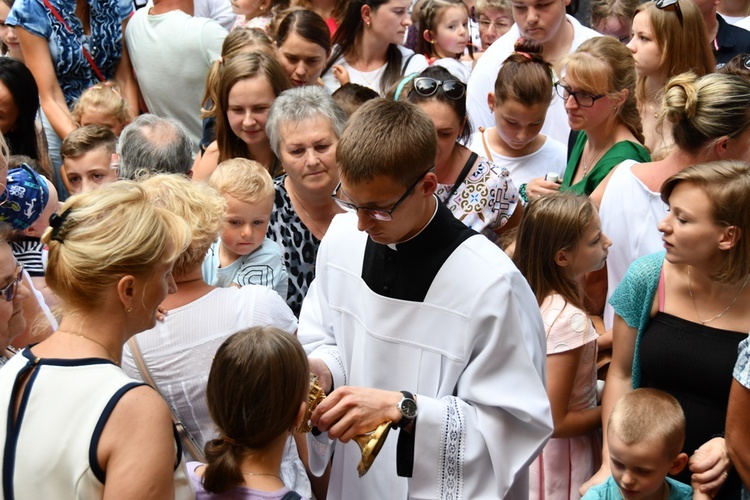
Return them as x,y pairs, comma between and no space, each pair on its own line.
152,144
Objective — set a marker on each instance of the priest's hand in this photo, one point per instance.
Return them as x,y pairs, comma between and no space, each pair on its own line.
319,368
351,411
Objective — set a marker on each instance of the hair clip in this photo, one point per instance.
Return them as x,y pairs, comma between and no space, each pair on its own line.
401,85
526,55
56,222
221,60
229,440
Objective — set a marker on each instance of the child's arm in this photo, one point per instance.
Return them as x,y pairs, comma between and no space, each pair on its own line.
341,74
710,465
205,164
561,373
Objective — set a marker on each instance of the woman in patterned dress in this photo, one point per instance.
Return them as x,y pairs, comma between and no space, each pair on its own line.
304,127
485,199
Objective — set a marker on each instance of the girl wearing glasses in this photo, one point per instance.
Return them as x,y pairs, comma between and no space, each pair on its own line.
367,46
110,262
598,86
669,38
478,192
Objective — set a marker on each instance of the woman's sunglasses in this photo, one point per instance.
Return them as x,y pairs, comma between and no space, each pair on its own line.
426,87
671,4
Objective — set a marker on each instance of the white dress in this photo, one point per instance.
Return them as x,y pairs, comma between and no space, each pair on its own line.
179,351
472,350
630,214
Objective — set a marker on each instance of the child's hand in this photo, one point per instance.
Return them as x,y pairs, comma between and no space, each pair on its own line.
161,313
710,466
341,74
539,186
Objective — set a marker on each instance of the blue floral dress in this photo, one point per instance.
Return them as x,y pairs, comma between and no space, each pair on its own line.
71,67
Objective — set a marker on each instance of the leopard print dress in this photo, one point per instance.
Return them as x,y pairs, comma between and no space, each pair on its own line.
298,245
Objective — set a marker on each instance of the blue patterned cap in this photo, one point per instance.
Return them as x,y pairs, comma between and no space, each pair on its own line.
27,195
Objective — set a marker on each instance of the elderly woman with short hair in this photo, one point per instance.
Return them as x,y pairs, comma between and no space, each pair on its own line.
304,126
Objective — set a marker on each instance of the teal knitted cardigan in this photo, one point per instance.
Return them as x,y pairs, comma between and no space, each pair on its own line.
634,298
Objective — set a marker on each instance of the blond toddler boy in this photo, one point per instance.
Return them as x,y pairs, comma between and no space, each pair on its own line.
243,255
645,436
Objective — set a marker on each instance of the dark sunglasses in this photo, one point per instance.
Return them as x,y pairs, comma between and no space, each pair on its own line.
675,4
9,292
426,87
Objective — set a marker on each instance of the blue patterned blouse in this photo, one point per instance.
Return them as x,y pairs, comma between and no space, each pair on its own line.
71,67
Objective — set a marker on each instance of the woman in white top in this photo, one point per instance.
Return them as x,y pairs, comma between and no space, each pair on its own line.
711,122
178,351
367,46
74,425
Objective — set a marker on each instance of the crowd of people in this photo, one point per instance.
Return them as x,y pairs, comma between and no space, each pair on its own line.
503,252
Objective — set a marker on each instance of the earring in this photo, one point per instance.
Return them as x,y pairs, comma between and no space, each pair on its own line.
367,23
432,42
129,309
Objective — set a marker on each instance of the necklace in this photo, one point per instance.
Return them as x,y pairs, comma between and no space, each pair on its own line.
586,164
109,354
304,210
376,75
703,322
263,474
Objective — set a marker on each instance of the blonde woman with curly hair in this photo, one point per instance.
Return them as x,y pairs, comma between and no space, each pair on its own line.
177,352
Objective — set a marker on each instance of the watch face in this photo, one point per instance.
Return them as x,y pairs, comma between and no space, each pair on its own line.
409,408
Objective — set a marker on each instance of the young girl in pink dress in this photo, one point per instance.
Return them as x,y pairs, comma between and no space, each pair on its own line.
559,239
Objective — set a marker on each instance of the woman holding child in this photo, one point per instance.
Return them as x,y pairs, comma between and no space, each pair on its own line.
304,127
679,316
110,262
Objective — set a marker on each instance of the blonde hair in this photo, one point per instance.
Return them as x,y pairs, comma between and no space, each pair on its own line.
727,184
603,65
702,110
196,203
649,415
106,97
683,46
246,180
552,223
105,235
236,42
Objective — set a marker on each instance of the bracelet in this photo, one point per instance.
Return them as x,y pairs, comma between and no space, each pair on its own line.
522,194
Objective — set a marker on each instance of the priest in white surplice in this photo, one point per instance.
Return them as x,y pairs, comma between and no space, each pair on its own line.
416,319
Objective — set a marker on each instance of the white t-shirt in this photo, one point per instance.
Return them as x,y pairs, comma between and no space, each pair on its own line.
371,79
551,157
483,77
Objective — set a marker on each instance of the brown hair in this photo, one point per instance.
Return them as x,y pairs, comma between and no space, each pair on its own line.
525,76
601,10
236,42
652,416
351,96
107,234
552,223
727,184
249,372
308,25
86,139
430,14
241,67
603,65
683,45
404,127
